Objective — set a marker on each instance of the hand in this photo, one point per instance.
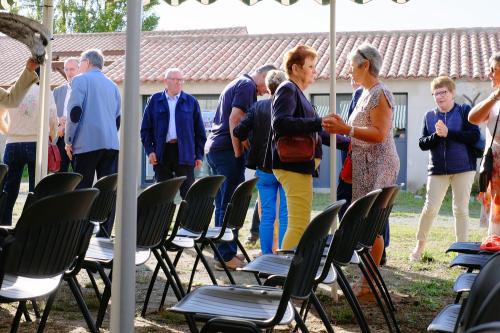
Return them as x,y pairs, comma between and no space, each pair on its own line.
198,164
31,64
69,151
334,124
246,144
61,127
441,129
152,159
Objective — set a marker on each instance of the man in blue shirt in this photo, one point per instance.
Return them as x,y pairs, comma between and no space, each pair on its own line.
225,152
172,132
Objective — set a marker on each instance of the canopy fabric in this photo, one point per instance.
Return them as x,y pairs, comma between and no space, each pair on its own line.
283,2
6,4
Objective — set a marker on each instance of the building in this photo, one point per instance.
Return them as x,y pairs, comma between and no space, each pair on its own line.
211,58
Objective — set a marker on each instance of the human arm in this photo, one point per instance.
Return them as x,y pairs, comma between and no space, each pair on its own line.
200,136
12,98
147,131
243,129
4,121
428,140
480,113
234,119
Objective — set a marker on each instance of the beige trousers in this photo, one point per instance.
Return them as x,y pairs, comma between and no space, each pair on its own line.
461,184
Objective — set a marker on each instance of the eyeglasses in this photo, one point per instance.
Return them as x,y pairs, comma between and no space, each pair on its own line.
440,93
176,80
362,54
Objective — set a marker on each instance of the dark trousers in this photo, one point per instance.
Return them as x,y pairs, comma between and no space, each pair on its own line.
65,161
224,163
101,162
170,168
16,156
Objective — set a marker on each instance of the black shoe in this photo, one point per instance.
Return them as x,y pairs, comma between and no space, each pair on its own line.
383,260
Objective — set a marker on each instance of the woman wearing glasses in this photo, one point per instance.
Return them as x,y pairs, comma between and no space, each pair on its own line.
375,162
487,112
446,134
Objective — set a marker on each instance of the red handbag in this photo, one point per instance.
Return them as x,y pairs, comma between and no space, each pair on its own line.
54,158
346,172
296,149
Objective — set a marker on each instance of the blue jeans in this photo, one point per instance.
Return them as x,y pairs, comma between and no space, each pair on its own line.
224,163
16,156
268,187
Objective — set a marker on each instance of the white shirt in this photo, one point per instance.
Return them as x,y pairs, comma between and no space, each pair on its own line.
65,109
172,103
492,119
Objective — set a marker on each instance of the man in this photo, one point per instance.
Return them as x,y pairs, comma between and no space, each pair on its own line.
172,132
93,121
61,96
12,98
225,152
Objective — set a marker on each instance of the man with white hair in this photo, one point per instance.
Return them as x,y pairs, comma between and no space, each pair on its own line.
172,131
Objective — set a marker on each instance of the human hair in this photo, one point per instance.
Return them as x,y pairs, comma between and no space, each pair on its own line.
297,56
367,52
273,79
443,82
495,59
71,59
264,69
94,57
172,70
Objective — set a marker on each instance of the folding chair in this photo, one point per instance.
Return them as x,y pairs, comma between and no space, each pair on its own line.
105,203
41,247
229,325
155,210
493,327
3,195
265,306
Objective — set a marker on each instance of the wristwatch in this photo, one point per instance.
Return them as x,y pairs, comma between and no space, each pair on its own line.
351,132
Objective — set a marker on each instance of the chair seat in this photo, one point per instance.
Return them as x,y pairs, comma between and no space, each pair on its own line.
22,288
215,232
355,258
186,233
464,247
473,261
103,250
240,302
183,242
464,282
445,320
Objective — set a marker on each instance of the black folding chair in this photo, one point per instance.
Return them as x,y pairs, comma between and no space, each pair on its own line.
246,302
493,327
105,203
229,325
42,246
4,168
155,210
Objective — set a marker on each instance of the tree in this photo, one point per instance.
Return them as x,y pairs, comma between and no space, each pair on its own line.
88,15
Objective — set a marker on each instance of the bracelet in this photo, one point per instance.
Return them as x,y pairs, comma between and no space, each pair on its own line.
351,132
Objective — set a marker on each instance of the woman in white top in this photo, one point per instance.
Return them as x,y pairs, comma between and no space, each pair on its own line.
488,112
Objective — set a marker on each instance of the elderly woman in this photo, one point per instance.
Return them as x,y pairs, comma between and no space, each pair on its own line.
255,127
375,162
446,133
293,115
487,112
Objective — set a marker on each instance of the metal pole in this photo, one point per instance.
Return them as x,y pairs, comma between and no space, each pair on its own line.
333,107
43,136
123,287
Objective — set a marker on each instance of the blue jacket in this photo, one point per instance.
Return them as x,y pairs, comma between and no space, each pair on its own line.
449,155
191,135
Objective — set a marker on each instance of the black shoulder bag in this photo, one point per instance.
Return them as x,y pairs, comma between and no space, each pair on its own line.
486,168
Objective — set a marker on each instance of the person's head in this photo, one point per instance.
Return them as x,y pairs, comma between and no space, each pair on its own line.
71,66
259,76
91,59
273,79
173,81
366,62
443,89
495,70
300,65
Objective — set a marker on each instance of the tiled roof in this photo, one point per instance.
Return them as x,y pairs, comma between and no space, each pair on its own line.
221,55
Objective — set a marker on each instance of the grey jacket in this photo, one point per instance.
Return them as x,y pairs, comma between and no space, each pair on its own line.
60,97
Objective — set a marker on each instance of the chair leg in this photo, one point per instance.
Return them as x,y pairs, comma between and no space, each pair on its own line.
46,311
321,312
206,265
221,261
300,322
26,314
106,295
168,274
36,309
150,289
247,257
172,278
17,317
372,264
193,271
94,284
351,299
73,285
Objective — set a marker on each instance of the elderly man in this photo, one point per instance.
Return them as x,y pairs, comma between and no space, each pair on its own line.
61,96
225,151
172,131
12,98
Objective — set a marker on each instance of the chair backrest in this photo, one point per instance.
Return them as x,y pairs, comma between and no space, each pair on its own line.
155,212
200,204
237,208
48,235
484,296
348,234
493,327
307,257
105,203
378,215
4,168
54,183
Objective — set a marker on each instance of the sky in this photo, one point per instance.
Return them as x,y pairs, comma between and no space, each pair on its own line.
268,16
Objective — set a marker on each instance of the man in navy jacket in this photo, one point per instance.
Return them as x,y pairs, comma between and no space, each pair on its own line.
172,132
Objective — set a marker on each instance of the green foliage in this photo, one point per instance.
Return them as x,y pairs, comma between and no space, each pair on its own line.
83,16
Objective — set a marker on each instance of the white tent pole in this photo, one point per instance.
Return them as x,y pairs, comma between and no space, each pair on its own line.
333,106
123,287
42,142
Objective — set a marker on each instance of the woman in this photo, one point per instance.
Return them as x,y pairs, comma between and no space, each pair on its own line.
487,112
446,133
293,115
375,162
255,127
